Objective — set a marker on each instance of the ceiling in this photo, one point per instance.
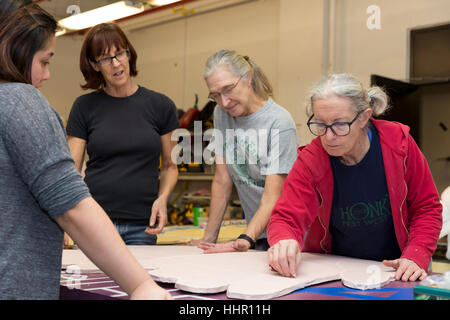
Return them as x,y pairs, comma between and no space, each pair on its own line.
64,8
61,9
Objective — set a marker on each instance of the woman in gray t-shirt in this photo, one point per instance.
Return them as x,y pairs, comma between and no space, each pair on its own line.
255,142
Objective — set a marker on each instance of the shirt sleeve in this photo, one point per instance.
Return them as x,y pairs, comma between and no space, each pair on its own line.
296,208
282,151
35,140
169,119
76,123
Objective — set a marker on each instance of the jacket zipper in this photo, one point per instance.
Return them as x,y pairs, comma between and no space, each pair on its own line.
406,194
320,221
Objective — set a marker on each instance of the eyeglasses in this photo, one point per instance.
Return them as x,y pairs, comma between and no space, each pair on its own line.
338,128
214,97
120,56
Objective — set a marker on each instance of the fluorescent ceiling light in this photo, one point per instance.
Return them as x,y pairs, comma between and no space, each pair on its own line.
107,13
162,2
60,32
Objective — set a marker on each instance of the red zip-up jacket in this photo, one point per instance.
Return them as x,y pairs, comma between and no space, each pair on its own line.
303,210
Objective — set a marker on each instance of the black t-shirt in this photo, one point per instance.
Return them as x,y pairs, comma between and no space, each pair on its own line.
361,222
123,141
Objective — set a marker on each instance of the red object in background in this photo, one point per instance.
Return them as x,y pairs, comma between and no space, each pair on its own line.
189,115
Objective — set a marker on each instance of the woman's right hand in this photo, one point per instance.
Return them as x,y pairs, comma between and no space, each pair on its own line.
195,242
284,257
149,290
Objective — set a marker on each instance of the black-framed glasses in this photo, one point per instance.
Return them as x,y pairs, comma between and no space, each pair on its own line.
120,56
214,97
338,128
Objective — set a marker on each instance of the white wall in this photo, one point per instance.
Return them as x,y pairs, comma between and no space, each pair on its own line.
285,37
65,75
363,52
299,57
161,58
435,108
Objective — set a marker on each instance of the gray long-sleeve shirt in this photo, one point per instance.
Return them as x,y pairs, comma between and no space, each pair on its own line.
38,182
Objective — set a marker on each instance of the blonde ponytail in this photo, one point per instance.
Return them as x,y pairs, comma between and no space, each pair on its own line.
378,100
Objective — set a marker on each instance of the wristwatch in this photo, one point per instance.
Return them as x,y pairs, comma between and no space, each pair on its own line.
250,240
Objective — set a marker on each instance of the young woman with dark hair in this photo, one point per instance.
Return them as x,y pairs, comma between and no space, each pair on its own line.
42,194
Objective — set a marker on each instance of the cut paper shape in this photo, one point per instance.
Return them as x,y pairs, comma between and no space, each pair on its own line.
366,279
246,275
268,286
141,253
243,275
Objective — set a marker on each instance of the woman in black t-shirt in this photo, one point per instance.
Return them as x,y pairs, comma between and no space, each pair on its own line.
124,128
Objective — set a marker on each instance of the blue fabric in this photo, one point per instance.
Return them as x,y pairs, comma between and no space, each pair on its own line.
373,294
369,134
134,234
361,222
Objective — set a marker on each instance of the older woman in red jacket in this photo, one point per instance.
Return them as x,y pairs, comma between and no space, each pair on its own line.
361,189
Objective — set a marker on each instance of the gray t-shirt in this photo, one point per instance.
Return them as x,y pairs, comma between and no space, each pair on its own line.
254,146
38,182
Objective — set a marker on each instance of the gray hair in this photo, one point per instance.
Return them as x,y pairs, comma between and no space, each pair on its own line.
348,86
239,66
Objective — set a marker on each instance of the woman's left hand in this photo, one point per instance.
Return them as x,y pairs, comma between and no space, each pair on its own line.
407,270
159,215
233,246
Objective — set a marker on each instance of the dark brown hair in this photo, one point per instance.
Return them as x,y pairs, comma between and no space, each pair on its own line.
23,31
8,6
99,40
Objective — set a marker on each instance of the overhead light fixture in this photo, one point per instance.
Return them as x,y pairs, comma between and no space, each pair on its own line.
107,13
60,32
162,2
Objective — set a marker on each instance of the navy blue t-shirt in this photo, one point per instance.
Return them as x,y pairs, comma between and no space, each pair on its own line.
361,222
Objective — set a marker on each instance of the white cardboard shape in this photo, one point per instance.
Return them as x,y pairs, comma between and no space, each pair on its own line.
269,286
141,253
244,275
371,278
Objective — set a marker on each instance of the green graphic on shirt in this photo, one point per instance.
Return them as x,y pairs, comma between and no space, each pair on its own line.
244,154
366,214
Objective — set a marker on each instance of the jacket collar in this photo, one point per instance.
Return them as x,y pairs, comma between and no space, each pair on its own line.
393,135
